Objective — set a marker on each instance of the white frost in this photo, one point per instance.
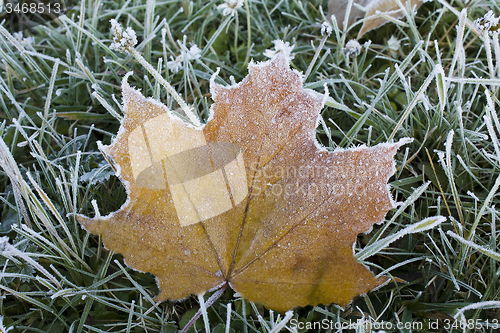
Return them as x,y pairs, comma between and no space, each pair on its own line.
230,7
487,22
122,40
280,47
3,329
352,48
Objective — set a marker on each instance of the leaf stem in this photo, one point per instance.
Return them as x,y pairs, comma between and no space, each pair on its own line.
206,305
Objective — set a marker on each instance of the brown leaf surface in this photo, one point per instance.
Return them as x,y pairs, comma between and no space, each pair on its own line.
373,21
279,214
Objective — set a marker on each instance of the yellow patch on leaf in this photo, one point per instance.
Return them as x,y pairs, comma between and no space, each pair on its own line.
250,198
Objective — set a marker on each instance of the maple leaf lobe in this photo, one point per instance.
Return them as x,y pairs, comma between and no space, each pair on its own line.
288,242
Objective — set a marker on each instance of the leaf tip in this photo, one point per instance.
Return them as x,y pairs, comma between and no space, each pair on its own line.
125,85
91,225
404,141
129,94
215,88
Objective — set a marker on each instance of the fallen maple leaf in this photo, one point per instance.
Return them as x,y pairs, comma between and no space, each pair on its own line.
373,9
250,198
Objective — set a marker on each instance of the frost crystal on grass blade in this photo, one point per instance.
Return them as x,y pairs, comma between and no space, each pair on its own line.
4,243
393,43
488,22
175,65
352,48
230,7
3,329
23,40
123,41
194,52
280,47
13,251
326,29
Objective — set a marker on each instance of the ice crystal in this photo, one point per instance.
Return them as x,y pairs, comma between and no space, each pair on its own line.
123,40
175,64
326,29
230,7
4,329
280,47
488,22
352,48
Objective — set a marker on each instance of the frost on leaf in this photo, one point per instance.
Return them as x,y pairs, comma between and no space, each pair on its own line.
373,13
250,198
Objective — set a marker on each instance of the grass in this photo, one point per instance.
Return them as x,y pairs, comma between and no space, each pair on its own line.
60,95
